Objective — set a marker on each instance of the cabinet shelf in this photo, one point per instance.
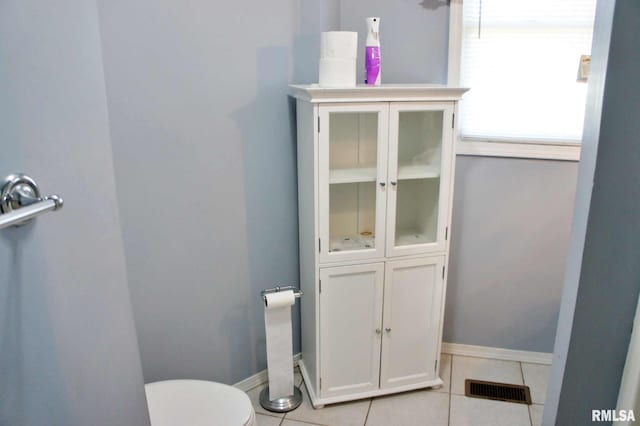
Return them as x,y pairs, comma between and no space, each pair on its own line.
355,242
354,175
408,238
417,171
368,174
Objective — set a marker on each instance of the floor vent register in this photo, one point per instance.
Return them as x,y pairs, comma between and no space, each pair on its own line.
497,391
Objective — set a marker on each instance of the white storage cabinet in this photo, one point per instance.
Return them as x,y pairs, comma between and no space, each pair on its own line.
375,181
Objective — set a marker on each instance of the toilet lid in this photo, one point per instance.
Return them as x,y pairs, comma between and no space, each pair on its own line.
197,403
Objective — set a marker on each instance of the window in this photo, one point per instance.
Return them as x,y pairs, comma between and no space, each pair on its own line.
521,58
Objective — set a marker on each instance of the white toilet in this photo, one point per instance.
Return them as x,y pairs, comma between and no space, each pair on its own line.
198,403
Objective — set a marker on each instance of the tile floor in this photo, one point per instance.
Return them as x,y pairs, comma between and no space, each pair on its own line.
444,406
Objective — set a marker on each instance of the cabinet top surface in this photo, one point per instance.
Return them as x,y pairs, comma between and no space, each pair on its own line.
383,93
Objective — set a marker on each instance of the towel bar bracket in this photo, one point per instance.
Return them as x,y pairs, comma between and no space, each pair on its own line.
18,191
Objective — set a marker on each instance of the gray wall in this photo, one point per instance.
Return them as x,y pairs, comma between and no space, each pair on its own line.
414,37
603,273
204,155
511,217
204,152
68,351
510,231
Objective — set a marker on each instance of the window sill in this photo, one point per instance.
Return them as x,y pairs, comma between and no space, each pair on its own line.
562,152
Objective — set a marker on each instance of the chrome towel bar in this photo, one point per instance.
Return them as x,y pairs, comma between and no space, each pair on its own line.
24,214
20,201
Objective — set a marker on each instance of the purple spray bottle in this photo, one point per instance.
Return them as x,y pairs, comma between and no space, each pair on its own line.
372,63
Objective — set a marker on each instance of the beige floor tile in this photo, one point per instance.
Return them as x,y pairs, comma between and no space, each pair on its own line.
463,367
536,414
296,423
536,376
409,409
263,420
483,412
343,414
254,396
445,373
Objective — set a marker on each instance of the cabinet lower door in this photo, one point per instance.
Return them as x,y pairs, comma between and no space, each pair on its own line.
350,328
411,321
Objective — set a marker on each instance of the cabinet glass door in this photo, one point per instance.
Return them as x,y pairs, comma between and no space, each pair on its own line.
420,159
352,187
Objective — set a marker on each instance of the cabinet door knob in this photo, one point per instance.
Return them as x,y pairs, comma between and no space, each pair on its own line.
388,330
394,183
378,331
382,184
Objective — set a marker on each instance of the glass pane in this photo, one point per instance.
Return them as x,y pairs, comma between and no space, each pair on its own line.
352,216
353,153
353,146
419,161
417,211
419,144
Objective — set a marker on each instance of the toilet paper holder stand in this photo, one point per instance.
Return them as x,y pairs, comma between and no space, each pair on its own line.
297,293
287,403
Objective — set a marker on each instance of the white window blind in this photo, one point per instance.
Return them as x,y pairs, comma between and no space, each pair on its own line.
520,58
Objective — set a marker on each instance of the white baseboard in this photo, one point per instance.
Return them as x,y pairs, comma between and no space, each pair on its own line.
448,348
497,353
260,377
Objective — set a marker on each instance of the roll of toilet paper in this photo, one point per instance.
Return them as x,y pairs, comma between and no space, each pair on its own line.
337,72
280,299
277,322
339,44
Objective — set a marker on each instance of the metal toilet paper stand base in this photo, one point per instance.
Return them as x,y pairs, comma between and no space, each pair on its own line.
281,405
286,403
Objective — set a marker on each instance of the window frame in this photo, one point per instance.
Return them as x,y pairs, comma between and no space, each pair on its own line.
498,147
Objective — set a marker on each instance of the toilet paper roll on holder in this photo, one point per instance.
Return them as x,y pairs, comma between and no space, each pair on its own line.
287,403
297,293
